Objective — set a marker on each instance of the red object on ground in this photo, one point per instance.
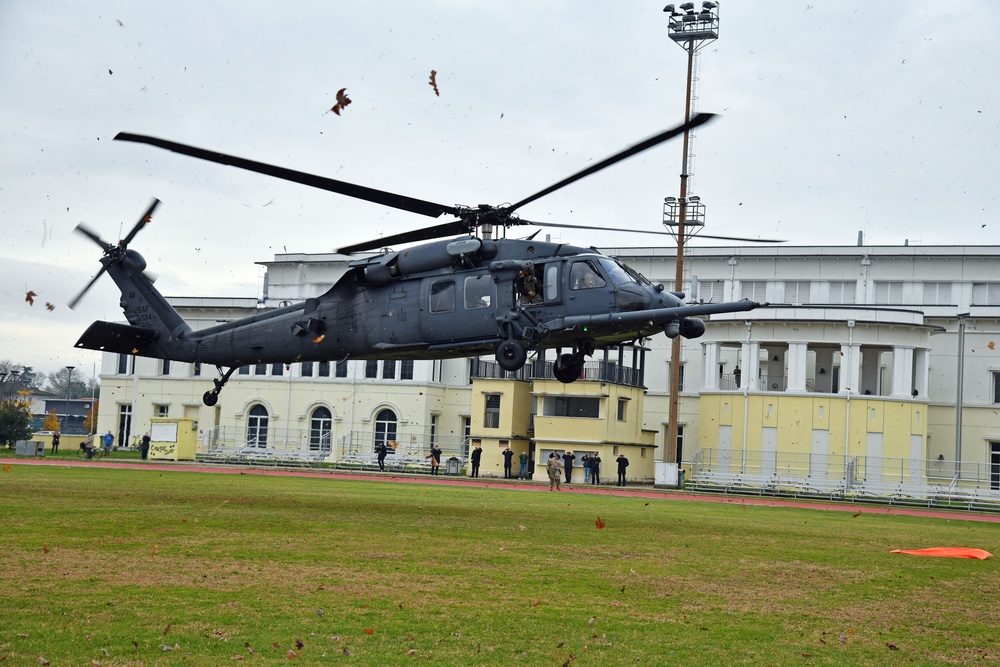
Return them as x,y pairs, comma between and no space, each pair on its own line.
946,552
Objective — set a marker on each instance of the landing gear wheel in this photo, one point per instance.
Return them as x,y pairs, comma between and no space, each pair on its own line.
210,398
567,368
511,355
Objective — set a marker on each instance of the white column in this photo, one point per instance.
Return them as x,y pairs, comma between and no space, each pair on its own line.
751,365
902,371
797,359
710,365
850,368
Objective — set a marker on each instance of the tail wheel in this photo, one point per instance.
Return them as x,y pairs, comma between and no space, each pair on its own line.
511,355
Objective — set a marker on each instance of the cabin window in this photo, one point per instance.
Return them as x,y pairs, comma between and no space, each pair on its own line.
551,286
443,296
584,275
385,429
478,292
257,424
491,416
320,429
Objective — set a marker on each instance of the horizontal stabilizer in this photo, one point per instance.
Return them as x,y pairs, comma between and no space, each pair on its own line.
111,337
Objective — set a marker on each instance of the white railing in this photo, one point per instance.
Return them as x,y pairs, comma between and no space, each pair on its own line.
969,485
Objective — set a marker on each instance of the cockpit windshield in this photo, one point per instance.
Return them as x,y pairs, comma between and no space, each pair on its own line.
620,274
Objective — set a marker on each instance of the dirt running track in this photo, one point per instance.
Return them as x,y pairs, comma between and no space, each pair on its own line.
521,485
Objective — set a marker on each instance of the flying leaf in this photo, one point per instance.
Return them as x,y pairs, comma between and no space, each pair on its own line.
599,523
342,101
536,603
856,515
991,345
593,619
433,82
49,306
42,661
276,645
319,339
412,651
30,297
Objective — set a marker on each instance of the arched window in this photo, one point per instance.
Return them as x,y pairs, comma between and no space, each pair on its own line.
320,429
257,426
385,428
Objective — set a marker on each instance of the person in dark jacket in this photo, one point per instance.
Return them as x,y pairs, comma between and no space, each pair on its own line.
144,447
477,456
622,464
381,450
435,458
568,459
508,458
595,469
55,442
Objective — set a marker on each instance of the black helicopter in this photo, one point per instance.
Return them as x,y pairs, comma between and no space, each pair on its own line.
456,297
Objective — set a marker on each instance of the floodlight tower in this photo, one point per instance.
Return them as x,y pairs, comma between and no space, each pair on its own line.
691,30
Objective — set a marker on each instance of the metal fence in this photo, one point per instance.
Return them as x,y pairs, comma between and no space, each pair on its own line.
969,485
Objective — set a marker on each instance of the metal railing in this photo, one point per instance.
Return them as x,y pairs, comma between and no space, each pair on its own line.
543,370
969,485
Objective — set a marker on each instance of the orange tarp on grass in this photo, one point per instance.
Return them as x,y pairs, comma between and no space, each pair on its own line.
946,552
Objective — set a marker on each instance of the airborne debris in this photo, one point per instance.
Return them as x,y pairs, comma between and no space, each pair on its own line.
342,101
30,297
433,82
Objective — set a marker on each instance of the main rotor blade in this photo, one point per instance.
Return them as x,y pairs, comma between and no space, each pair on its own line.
76,299
390,199
618,157
424,234
645,231
146,217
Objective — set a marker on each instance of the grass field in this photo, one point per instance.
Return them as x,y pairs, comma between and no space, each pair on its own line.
147,567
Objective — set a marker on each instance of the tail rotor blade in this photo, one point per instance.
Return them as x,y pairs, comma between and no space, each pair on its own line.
76,299
143,221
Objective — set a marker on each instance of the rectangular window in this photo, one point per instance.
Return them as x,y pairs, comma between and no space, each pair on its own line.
244,370
122,364
576,406
306,369
843,291
709,291
443,296
888,292
755,290
478,292
162,410
937,294
622,409
260,369
986,294
165,367
341,368
996,387
196,368
550,287
371,368
324,369
797,292
491,419
277,369
406,369
389,370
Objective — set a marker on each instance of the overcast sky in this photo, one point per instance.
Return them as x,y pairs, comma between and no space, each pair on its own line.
835,118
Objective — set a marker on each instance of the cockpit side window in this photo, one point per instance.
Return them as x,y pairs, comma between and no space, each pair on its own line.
584,275
620,275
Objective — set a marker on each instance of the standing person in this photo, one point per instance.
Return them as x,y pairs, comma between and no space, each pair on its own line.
144,447
568,459
586,468
508,456
108,441
622,464
381,450
737,373
55,443
553,467
477,456
522,459
595,469
435,458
